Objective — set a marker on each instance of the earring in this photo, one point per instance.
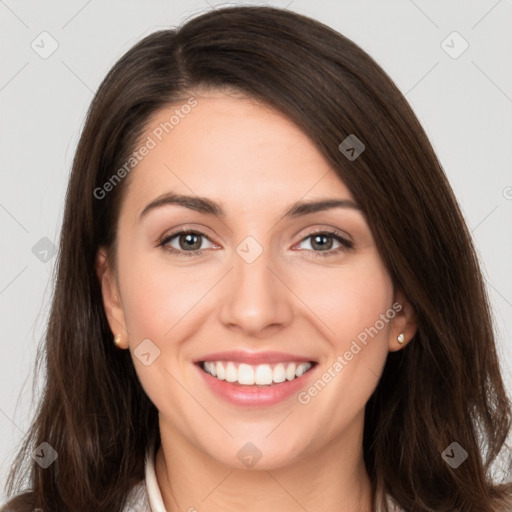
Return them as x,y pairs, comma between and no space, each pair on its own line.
401,338
117,340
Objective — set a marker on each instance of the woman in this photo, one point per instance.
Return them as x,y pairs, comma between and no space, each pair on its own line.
267,296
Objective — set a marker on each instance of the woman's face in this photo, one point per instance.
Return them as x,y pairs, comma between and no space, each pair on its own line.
276,287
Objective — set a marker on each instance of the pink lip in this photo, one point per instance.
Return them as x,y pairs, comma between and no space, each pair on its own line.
253,357
255,396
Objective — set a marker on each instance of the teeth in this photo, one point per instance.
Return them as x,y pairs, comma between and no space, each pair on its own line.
221,373
260,375
300,370
290,371
279,373
263,375
231,374
245,374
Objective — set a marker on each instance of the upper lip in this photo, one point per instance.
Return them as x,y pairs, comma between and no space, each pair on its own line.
253,357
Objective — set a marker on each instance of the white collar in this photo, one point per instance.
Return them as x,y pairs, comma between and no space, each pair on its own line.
154,494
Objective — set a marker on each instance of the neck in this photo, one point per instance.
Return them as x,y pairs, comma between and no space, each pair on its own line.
333,479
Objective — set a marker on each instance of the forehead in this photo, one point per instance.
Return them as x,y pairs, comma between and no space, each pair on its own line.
231,148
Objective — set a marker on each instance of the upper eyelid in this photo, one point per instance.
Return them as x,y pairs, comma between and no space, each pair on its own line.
164,240
329,231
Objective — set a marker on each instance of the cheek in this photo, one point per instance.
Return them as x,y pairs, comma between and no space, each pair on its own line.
350,300
156,300
157,296
356,305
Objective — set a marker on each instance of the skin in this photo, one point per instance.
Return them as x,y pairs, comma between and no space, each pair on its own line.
255,163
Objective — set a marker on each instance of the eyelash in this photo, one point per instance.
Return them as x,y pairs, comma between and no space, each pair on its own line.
345,244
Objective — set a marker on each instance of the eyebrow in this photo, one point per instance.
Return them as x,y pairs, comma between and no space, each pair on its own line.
209,207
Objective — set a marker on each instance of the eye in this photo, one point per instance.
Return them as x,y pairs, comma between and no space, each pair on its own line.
322,242
184,242
188,242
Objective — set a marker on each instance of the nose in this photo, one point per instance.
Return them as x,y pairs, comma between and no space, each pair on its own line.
256,300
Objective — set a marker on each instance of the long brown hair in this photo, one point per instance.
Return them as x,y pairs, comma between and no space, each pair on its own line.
444,387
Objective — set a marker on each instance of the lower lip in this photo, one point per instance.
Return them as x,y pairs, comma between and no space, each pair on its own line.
255,396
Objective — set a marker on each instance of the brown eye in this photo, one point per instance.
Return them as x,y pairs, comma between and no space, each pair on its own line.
190,241
187,243
323,242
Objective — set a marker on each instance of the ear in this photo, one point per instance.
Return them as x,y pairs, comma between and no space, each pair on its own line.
404,322
111,298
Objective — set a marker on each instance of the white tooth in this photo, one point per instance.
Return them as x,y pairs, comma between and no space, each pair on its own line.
290,371
213,370
231,373
263,375
302,369
221,372
245,374
279,373
206,366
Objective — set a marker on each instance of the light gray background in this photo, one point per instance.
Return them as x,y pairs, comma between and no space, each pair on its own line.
464,104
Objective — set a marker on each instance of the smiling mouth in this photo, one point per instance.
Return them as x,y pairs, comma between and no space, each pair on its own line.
261,375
